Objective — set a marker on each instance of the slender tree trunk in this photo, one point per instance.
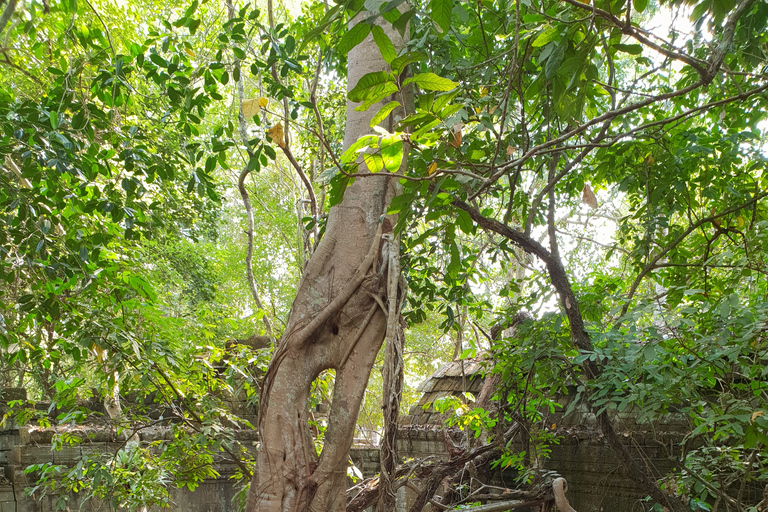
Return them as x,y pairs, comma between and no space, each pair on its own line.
336,322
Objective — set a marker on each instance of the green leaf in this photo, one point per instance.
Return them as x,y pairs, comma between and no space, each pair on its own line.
384,112
374,162
157,59
363,142
367,83
385,45
392,152
440,12
398,65
378,94
400,203
431,82
191,9
402,22
545,37
442,101
553,61
465,223
640,5
324,23
355,36
632,49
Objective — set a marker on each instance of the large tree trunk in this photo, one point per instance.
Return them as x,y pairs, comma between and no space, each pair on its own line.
335,323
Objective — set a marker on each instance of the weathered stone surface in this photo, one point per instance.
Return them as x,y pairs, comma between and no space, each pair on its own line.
6,493
8,440
11,394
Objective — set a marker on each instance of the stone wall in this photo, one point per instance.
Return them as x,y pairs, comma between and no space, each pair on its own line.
594,480
592,471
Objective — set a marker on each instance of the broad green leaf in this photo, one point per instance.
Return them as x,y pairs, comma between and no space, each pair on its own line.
554,60
545,37
440,11
355,36
399,203
442,101
417,119
392,152
402,22
398,65
367,83
640,5
465,223
431,82
374,162
385,45
384,112
632,49
379,93
363,142
191,9
373,5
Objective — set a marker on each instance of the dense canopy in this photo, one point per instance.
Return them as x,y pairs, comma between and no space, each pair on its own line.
173,186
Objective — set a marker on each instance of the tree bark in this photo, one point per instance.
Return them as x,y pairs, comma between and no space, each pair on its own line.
335,322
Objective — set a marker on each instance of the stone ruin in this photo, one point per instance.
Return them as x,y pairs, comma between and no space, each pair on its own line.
595,483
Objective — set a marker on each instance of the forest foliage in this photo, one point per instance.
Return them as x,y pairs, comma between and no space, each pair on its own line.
600,165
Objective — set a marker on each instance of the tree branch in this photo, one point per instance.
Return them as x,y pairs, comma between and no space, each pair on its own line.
244,191
652,264
7,13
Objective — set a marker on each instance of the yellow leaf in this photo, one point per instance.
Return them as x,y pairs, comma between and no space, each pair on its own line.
251,107
263,102
588,197
189,52
432,168
276,135
740,221
757,414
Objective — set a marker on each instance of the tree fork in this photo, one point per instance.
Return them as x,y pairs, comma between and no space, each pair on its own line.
335,323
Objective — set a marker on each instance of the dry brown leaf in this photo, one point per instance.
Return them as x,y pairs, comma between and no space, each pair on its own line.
588,197
757,414
276,135
456,138
251,107
510,150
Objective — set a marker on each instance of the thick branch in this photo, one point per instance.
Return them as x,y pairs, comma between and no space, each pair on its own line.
582,341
